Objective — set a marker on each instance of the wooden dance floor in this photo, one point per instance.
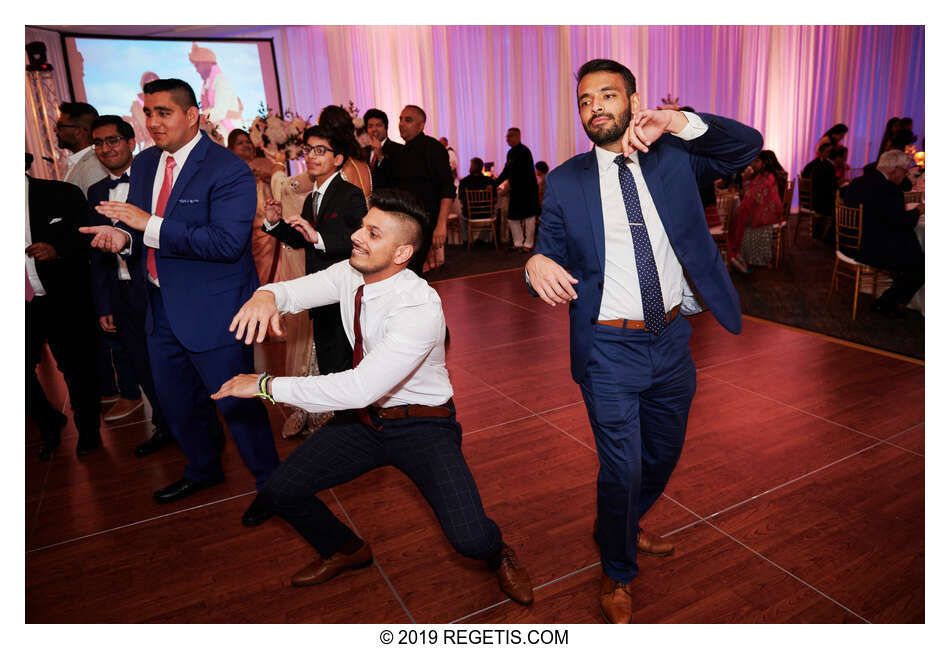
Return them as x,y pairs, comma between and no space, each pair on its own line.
799,497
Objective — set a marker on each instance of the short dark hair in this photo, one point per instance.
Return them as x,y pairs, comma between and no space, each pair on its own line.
406,208
333,137
514,129
478,164
414,107
181,92
607,65
79,110
541,166
375,113
837,129
234,134
123,127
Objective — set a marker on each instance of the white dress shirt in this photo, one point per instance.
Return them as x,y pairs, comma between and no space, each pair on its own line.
403,341
83,169
120,194
318,194
621,298
31,273
372,155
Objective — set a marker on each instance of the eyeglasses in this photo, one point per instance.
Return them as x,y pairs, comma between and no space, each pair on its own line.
315,150
111,140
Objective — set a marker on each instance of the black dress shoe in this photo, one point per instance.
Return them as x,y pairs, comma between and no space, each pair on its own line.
258,512
84,448
156,442
182,489
51,435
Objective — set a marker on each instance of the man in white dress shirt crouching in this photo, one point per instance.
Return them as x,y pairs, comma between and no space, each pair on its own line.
394,322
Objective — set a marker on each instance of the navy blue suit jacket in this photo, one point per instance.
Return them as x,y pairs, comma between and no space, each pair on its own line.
572,221
105,269
204,258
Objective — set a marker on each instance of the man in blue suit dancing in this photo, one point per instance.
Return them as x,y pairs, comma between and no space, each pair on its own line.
186,229
627,220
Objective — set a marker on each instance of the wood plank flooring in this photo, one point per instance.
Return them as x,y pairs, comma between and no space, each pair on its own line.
799,497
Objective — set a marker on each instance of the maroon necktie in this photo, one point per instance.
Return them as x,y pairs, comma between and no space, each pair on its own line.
358,351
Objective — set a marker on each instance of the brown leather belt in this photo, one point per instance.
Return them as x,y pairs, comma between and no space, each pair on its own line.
412,410
621,323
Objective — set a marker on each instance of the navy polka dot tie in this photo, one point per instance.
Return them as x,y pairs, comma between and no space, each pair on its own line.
654,313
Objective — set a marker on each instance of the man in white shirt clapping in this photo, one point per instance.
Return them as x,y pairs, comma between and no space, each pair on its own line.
401,387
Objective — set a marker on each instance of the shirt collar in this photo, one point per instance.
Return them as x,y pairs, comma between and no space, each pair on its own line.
181,155
114,177
605,160
326,183
381,288
75,157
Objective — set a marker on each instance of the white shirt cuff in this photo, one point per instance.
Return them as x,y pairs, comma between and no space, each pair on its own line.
128,246
268,226
694,128
152,232
319,245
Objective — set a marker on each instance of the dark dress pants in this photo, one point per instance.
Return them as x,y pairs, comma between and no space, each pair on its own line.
638,388
69,328
130,312
184,381
427,450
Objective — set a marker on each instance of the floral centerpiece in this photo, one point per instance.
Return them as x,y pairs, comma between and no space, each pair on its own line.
274,132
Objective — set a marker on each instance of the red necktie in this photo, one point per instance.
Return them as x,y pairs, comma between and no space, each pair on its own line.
163,195
358,351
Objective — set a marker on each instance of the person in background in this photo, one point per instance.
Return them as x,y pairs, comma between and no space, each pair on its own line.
888,239
323,228
120,302
523,205
59,310
890,130
220,104
453,156
475,180
833,135
383,150
421,168
750,236
142,139
265,249
355,170
541,171
839,160
824,184
74,133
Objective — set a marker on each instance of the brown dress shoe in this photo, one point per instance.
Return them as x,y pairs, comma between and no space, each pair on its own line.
122,408
616,602
513,579
647,543
651,544
323,570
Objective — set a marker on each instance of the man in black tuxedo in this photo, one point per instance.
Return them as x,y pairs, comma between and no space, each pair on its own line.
59,310
384,150
888,239
121,301
330,216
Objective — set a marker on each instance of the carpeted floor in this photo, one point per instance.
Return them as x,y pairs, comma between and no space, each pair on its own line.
793,294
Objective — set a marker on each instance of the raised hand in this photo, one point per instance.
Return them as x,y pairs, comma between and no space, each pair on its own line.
129,214
646,127
255,316
550,281
107,238
273,211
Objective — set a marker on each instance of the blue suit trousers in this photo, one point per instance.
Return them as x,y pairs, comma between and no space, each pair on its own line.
185,380
638,387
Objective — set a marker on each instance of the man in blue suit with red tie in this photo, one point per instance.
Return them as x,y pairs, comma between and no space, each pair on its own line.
186,229
627,220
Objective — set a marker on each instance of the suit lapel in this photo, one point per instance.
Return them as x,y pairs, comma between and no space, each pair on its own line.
151,168
192,165
328,196
590,185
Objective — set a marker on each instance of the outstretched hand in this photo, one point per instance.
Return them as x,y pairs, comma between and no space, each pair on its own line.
550,281
242,386
255,316
107,237
303,226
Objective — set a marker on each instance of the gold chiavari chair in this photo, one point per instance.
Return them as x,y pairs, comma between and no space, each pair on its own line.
849,223
481,213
